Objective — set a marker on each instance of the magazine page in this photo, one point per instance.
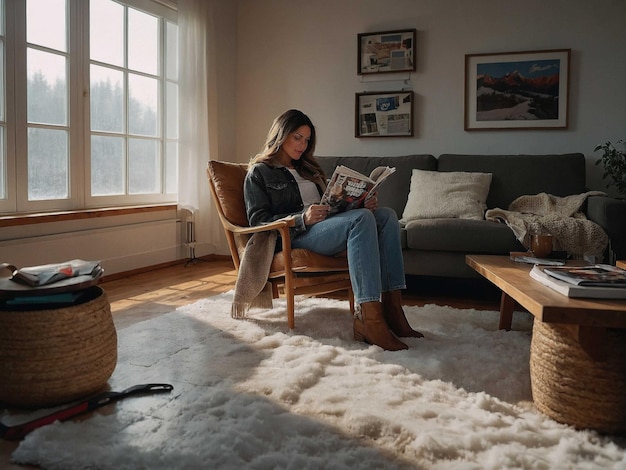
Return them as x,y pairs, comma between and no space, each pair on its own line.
593,275
379,174
348,188
347,171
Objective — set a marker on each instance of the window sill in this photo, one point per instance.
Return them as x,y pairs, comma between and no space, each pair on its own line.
46,217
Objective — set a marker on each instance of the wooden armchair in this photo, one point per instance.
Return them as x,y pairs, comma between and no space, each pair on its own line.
296,271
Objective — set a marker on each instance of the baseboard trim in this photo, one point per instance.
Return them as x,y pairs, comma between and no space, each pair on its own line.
145,269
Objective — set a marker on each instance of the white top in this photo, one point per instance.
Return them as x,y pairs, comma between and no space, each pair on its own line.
308,189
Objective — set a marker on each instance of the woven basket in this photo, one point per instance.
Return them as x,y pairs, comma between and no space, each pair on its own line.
48,357
574,389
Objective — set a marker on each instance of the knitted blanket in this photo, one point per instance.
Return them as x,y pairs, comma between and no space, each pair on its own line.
559,216
252,289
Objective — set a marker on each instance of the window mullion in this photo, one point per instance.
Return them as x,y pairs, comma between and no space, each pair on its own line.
79,100
20,103
9,203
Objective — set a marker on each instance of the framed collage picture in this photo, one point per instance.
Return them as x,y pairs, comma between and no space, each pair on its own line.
386,52
384,114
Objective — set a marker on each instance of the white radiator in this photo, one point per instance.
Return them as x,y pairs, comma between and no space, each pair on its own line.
119,248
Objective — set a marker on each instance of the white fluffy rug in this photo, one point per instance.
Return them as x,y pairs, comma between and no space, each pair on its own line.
252,394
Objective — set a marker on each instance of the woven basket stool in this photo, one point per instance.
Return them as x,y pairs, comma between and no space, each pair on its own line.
53,356
574,389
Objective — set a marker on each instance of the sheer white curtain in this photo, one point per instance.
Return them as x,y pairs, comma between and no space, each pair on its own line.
195,47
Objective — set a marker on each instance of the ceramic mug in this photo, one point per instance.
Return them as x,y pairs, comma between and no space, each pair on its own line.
541,245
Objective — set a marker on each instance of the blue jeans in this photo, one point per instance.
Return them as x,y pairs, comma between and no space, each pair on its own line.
372,241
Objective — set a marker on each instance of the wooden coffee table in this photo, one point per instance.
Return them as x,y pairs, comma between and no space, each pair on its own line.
578,348
543,303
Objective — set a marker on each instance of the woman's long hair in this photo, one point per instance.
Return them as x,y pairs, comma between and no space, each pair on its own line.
290,121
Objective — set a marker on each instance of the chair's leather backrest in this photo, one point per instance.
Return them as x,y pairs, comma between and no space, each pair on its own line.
227,179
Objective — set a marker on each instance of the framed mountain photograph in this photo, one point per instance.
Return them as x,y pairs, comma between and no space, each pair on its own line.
517,90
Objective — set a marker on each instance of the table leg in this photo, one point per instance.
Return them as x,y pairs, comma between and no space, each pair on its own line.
507,304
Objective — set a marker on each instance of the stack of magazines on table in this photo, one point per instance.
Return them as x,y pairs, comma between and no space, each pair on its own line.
597,281
49,285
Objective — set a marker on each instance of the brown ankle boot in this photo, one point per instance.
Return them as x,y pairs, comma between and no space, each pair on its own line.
394,315
372,328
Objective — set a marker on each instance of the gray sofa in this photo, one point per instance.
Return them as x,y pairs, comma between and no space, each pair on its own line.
437,247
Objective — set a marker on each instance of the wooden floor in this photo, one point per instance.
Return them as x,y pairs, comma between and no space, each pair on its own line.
145,295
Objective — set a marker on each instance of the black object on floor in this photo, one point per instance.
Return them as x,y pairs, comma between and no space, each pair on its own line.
19,431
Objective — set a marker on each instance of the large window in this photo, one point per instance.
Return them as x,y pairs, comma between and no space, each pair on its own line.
94,116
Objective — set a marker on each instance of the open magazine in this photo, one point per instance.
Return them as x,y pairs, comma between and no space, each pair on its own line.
348,189
35,276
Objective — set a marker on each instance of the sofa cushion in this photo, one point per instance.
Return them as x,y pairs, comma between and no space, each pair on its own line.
462,235
454,194
394,191
519,175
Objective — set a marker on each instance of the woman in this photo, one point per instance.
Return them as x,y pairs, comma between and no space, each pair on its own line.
285,180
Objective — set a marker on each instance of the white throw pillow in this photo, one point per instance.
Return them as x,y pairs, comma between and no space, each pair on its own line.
454,194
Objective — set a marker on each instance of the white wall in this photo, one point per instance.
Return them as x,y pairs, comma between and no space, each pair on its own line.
302,54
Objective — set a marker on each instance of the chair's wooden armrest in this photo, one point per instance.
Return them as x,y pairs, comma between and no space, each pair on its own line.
276,225
282,225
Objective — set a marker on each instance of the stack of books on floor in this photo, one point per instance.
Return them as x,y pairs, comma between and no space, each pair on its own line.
598,281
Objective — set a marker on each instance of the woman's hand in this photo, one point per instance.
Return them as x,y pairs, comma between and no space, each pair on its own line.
371,202
315,213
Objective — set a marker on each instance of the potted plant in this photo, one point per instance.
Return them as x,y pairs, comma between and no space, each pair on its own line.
614,163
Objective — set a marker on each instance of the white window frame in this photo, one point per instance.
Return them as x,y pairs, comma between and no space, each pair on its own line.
78,112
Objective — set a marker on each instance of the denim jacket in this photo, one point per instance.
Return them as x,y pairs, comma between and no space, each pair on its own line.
271,193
